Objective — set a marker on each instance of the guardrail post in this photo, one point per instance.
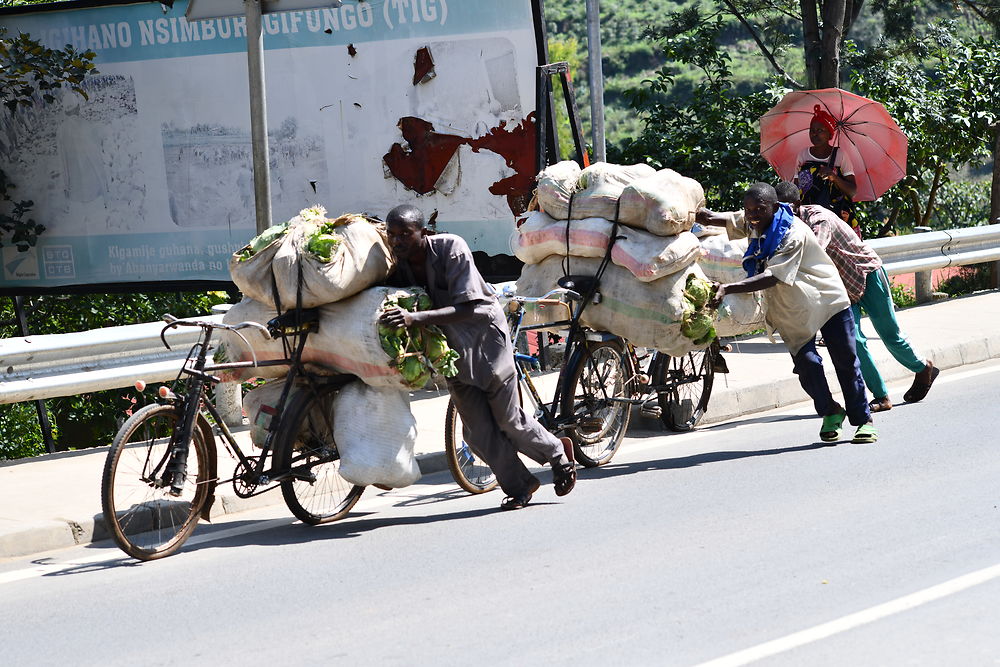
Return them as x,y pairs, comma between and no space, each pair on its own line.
229,402
923,286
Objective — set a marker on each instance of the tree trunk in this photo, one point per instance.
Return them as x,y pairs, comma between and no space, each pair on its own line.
811,43
995,189
833,26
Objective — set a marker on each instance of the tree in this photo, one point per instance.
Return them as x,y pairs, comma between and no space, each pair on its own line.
942,91
29,74
713,138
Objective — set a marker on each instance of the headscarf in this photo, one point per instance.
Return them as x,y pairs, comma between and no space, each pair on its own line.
763,247
821,115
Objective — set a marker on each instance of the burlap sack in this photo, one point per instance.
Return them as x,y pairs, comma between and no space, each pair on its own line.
253,276
663,203
647,256
346,342
740,314
362,259
596,191
722,259
648,314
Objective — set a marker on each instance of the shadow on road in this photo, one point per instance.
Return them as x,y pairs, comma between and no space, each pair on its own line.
615,470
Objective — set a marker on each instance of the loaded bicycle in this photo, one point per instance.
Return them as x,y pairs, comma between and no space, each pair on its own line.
604,375
161,471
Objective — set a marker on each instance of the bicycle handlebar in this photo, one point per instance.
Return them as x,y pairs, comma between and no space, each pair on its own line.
173,322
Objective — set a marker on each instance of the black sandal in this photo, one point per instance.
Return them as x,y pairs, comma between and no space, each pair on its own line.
564,474
515,502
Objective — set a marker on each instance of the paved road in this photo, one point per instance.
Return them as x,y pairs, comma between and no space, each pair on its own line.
747,540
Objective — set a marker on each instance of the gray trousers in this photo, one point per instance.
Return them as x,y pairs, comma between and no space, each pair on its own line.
496,428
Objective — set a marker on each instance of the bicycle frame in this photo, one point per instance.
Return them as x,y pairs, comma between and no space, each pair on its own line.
255,472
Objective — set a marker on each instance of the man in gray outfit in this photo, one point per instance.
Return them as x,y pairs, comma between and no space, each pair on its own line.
485,389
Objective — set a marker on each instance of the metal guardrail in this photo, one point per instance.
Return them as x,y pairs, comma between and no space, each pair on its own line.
38,367
46,366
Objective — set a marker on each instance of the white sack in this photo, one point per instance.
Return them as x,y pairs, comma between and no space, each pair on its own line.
663,203
648,314
346,341
595,194
362,259
260,404
740,314
722,259
375,433
253,276
647,256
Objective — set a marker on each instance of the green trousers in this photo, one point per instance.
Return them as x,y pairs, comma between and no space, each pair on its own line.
877,302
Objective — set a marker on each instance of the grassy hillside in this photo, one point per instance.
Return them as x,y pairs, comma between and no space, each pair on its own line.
630,56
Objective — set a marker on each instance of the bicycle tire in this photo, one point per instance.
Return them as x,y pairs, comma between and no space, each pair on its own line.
689,380
144,519
469,471
307,442
583,398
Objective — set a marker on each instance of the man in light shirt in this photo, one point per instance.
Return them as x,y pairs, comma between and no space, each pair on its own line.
803,295
868,287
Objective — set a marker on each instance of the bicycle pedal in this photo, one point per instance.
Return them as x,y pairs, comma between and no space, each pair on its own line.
651,410
591,424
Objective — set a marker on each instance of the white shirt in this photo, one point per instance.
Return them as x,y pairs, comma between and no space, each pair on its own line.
809,290
843,160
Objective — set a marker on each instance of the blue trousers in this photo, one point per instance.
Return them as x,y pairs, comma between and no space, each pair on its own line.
839,336
877,302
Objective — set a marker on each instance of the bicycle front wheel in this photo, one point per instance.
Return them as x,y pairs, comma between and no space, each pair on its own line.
470,472
594,395
315,493
688,385
144,518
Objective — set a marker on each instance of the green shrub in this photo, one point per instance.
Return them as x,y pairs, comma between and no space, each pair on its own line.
969,279
902,296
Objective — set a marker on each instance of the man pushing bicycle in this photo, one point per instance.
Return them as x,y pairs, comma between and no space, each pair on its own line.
485,389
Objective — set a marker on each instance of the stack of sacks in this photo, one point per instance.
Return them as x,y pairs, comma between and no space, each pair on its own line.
315,262
643,287
722,262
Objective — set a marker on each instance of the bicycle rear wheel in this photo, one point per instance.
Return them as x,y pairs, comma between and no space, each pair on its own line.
470,472
688,380
316,493
597,373
144,519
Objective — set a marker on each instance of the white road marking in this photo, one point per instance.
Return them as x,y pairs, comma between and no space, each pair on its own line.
822,631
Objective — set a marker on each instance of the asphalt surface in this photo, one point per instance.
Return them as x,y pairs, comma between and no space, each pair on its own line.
746,541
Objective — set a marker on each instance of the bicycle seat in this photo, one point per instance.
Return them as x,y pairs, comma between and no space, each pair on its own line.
580,284
294,321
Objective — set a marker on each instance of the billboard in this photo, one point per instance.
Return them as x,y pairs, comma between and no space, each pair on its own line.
370,104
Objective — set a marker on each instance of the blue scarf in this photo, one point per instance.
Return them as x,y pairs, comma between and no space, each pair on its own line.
762,248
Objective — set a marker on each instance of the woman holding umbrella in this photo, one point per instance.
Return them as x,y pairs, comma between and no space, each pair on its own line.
860,148
825,174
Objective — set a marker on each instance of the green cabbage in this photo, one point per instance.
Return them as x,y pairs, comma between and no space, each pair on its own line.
697,325
261,241
416,352
699,292
324,246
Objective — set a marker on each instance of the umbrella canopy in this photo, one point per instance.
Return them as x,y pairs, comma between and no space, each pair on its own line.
865,132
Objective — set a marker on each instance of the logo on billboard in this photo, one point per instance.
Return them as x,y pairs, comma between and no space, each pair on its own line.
58,261
19,265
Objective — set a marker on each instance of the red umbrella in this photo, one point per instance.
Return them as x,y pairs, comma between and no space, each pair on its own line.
865,132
